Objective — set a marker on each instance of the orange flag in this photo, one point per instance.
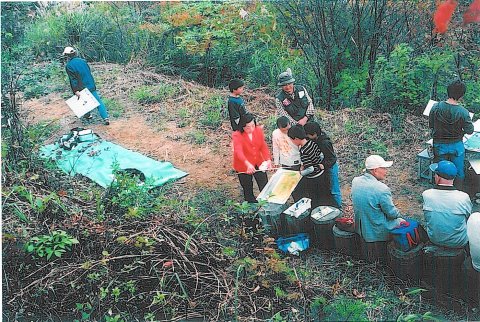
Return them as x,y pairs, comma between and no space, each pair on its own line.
473,13
443,15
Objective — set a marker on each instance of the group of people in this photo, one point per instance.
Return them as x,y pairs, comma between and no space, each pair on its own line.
300,144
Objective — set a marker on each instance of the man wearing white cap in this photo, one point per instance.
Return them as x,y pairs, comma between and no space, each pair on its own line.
375,213
81,77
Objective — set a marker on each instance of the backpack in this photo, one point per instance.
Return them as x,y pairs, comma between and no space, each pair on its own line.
406,235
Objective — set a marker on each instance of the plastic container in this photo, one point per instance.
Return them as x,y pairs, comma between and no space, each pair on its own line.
271,217
346,242
323,219
406,265
293,244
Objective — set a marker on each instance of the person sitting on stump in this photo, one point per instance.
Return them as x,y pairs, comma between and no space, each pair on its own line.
293,101
445,208
375,213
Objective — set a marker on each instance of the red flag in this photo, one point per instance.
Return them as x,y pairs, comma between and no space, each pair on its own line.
443,15
473,13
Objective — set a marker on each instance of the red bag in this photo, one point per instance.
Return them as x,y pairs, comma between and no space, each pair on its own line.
345,224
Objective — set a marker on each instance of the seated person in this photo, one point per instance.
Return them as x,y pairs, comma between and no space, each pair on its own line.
375,213
446,209
473,233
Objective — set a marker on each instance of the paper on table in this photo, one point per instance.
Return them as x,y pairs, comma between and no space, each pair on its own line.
84,104
280,186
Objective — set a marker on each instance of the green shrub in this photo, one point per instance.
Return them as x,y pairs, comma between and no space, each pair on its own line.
197,137
145,95
115,108
52,245
345,309
212,112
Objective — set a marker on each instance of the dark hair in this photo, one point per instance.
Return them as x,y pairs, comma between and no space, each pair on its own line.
456,89
282,122
297,132
312,128
245,119
235,84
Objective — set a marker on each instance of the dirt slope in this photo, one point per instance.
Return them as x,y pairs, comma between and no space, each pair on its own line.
153,129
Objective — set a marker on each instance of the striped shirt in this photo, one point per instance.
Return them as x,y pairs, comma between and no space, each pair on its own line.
310,155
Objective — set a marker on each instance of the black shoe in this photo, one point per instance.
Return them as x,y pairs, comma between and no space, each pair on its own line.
106,121
88,116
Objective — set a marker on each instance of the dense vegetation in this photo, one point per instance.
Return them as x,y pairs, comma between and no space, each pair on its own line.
77,251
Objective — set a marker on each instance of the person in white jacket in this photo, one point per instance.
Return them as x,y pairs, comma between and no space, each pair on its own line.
285,153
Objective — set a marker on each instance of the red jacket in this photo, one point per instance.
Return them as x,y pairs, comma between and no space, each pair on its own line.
255,150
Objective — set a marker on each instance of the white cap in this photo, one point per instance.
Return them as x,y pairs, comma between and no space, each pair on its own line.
376,161
68,51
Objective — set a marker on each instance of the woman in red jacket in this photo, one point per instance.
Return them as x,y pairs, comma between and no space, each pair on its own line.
249,152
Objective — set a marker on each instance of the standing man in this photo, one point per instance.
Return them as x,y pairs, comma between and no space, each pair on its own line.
293,100
375,213
81,77
446,209
449,122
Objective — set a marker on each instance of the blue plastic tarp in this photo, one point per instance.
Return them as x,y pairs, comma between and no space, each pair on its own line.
94,159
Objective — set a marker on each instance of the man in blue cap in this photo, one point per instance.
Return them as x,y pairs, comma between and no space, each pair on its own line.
446,209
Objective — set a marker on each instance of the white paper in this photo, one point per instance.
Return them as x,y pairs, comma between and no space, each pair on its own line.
280,186
428,108
84,104
475,165
476,126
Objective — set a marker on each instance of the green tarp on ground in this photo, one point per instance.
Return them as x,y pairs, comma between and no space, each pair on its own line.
94,159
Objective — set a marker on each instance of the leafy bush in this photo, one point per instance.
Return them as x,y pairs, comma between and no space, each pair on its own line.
54,244
212,112
345,309
128,195
115,108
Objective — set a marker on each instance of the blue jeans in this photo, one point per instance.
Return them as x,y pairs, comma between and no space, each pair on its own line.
454,152
335,185
101,108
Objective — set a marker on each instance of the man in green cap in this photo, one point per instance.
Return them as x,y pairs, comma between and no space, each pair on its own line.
293,101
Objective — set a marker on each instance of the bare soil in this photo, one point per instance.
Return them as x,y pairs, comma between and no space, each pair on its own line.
154,131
